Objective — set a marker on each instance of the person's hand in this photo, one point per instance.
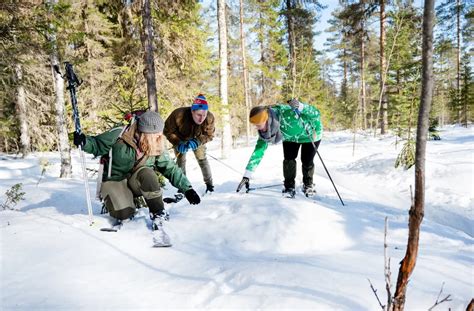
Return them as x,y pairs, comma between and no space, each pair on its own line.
192,196
193,143
79,139
182,147
245,181
209,188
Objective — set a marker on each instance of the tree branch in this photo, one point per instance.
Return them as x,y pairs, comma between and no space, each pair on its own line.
387,273
376,296
438,302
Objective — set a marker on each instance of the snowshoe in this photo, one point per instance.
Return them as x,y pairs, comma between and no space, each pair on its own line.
160,237
309,191
289,192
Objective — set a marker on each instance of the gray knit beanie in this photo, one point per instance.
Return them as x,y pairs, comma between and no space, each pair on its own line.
150,122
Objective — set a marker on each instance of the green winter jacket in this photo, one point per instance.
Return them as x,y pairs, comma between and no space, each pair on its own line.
124,157
292,128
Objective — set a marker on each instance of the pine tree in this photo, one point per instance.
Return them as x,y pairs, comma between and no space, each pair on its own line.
451,15
272,57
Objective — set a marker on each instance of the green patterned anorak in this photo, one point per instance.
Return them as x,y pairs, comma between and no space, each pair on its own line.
294,128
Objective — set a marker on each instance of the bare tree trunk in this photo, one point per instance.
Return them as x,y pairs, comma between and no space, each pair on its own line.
148,56
292,44
470,306
458,64
61,124
363,107
383,64
245,73
262,58
417,209
126,21
21,108
226,130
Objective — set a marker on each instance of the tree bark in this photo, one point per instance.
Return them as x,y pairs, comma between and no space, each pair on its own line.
470,306
262,57
417,209
61,124
226,129
383,64
245,73
25,140
292,44
458,66
148,55
363,108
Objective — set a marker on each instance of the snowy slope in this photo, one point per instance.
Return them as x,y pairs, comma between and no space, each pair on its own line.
246,251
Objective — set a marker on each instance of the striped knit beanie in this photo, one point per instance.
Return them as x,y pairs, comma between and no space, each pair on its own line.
199,103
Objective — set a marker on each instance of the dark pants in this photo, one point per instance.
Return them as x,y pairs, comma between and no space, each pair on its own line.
290,152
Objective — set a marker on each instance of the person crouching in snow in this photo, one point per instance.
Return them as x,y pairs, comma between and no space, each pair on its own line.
189,129
298,125
133,157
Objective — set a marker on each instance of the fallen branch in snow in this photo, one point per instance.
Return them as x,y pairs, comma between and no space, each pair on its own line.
438,302
376,296
387,273
93,171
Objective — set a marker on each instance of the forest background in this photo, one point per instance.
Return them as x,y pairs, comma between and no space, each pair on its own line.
364,75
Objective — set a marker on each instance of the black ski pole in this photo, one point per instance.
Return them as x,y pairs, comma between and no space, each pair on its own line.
263,187
74,82
228,166
320,158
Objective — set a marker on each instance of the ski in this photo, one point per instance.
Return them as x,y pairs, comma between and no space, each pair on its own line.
114,228
177,197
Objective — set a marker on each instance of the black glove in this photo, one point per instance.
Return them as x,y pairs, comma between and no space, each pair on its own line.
192,196
209,188
245,181
79,139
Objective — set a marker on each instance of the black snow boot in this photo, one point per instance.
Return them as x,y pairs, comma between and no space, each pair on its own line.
289,192
309,190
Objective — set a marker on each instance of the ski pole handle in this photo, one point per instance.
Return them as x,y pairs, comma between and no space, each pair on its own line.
73,82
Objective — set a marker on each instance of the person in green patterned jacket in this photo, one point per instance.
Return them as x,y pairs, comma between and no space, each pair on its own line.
298,125
133,155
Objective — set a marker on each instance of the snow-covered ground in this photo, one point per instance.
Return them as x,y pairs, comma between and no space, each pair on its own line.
246,251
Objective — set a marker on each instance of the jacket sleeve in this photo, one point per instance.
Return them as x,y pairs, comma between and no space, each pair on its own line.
312,116
207,133
101,144
168,168
171,127
256,157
